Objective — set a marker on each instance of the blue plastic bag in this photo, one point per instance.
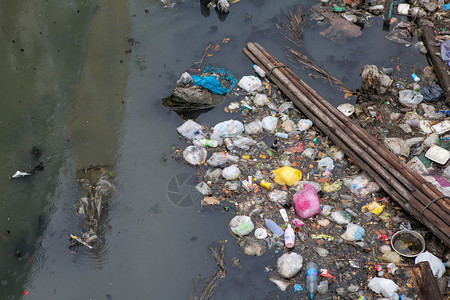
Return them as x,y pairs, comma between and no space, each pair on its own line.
226,83
210,83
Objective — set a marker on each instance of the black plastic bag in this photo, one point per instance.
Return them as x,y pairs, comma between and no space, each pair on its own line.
432,93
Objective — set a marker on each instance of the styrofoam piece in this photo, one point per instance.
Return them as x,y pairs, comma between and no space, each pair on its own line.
403,8
425,126
347,109
442,127
438,154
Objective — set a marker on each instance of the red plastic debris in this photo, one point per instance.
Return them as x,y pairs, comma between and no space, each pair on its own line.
326,273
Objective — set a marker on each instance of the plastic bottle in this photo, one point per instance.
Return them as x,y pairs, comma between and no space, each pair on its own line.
289,237
415,77
282,135
229,144
259,71
265,184
403,297
274,227
206,142
311,279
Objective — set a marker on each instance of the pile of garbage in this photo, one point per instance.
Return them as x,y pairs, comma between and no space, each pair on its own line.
96,185
413,122
295,195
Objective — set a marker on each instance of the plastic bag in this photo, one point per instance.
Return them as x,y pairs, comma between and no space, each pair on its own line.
353,233
326,163
289,264
306,202
310,153
432,93
210,83
185,78
304,124
340,217
191,130
243,142
260,99
221,158
195,155
436,265
409,98
203,188
250,83
231,172
253,127
287,175
269,123
383,286
241,225
228,128
278,196
445,52
361,185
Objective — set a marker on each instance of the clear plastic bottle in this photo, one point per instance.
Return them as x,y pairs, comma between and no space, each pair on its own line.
311,279
259,71
274,227
289,237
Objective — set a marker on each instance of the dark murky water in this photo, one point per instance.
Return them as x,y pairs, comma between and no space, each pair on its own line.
82,81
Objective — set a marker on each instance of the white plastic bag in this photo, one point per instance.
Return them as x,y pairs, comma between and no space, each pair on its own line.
250,83
326,163
304,124
195,155
278,196
353,233
228,128
243,142
253,127
383,286
269,123
436,265
260,99
241,225
221,158
191,130
289,264
409,98
231,172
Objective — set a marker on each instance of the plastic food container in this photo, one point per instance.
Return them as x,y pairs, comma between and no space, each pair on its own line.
408,243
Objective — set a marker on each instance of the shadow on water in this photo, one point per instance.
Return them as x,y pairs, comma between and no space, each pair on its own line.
83,81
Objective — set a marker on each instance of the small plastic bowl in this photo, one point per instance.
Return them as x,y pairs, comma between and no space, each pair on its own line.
412,235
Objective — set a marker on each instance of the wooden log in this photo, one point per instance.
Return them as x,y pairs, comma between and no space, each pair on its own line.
440,67
411,205
425,282
364,151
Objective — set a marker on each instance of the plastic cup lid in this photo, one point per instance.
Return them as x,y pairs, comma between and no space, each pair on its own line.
260,233
347,109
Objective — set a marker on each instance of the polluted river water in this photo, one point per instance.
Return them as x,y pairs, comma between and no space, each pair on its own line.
82,84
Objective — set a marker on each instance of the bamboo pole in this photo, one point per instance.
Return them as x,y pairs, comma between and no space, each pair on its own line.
434,225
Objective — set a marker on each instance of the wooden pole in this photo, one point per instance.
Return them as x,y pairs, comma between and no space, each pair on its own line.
425,282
